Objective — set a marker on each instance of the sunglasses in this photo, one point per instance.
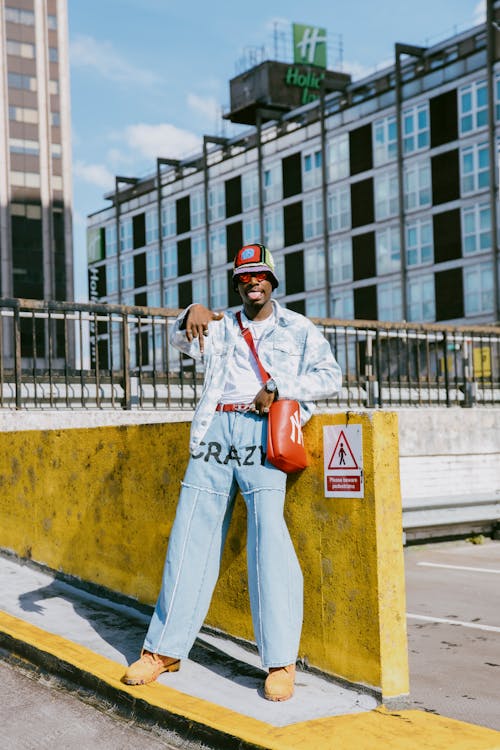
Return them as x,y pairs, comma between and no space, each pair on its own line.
244,278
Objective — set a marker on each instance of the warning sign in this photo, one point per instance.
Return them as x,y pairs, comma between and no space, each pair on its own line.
343,460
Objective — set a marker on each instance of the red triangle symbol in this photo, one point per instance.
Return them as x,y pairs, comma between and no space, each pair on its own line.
342,456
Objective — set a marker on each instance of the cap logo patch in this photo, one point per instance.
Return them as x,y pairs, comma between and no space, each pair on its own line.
248,253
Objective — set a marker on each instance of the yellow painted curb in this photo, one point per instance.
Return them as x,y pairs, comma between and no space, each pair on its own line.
374,730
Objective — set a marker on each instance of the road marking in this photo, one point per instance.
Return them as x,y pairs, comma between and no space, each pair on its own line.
475,625
458,567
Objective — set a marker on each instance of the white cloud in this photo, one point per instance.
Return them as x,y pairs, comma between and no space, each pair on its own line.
95,174
87,52
161,140
479,12
207,106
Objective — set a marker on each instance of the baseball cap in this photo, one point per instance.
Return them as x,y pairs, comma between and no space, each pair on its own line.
254,258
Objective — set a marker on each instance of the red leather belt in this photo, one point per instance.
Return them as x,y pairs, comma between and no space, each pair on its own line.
233,407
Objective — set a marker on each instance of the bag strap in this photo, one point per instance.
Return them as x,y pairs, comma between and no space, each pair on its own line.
247,335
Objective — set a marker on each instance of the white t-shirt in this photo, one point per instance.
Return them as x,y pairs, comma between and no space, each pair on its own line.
243,378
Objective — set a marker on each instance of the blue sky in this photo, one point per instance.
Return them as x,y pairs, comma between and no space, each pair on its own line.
150,77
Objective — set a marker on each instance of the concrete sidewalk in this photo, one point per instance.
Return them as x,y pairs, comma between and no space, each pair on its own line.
217,697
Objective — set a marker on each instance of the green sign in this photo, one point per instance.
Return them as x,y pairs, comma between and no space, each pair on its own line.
309,45
306,80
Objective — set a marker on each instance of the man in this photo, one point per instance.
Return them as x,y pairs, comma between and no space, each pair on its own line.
228,449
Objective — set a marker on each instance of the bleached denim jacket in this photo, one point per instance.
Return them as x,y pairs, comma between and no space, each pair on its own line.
294,352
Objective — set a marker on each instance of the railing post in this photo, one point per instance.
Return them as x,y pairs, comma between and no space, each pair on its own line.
127,395
17,353
369,370
469,386
446,369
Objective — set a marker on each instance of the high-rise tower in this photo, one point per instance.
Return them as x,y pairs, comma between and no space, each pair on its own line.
35,151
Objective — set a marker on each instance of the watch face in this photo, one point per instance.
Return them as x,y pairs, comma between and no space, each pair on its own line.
270,386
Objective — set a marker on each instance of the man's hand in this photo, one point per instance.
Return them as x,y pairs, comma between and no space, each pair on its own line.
262,402
196,323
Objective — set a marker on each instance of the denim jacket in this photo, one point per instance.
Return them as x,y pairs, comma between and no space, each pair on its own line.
294,352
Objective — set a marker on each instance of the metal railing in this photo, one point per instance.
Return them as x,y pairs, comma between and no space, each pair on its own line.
84,355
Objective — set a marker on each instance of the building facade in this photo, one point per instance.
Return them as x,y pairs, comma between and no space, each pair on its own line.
35,151
377,200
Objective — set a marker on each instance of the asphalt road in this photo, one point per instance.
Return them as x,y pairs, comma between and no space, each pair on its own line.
453,602
35,714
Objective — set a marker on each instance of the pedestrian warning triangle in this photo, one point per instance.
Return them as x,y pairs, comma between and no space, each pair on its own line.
342,456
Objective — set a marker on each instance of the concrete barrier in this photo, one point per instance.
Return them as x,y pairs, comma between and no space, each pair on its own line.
98,503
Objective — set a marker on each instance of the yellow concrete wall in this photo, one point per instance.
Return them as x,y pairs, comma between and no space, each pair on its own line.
99,503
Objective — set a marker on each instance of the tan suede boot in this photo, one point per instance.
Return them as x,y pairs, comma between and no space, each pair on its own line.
149,667
279,683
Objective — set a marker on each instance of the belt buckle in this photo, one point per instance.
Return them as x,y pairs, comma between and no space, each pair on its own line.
242,407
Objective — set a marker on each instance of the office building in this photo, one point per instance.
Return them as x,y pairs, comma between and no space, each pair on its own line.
35,152
378,197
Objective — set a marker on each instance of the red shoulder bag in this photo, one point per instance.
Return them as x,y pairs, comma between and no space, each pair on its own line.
285,441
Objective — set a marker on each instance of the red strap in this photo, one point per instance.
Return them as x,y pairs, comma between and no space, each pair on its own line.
247,335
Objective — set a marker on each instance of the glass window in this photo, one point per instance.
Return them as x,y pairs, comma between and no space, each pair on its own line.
311,170
218,254
22,146
386,195
152,266
218,291
340,260
343,305
337,151
200,291
26,179
111,279
15,15
273,183
171,296
198,252
110,239
475,165
421,302
476,228
314,268
54,87
478,289
22,49
388,250
279,272
53,54
416,128
251,229
170,261
55,119
313,217
316,306
250,190
384,140
151,227
273,228
126,234
18,81
417,185
168,219
339,209
389,301
52,22
419,242
216,202
197,208
127,273
23,114
473,106
154,300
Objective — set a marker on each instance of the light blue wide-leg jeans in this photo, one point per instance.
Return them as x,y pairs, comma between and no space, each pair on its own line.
231,455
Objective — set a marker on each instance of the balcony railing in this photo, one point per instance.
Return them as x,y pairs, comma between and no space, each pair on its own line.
83,355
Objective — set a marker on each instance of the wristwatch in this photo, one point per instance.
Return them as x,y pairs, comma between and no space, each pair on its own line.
270,386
